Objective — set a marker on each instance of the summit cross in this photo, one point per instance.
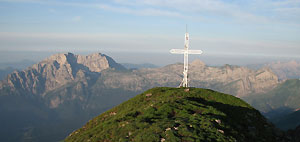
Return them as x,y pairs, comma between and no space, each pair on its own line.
186,53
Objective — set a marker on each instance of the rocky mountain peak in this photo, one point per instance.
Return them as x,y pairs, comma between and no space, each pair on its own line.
95,62
197,62
61,58
58,70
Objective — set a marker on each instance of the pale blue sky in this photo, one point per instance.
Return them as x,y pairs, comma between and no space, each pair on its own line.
248,27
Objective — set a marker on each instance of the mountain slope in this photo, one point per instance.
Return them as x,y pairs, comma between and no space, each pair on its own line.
40,102
285,95
56,71
179,114
295,134
66,90
280,104
235,80
290,121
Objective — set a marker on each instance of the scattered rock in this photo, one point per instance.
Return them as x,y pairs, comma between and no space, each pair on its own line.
221,131
218,121
112,113
186,90
148,95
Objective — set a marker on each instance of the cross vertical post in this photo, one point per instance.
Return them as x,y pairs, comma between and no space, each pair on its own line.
186,53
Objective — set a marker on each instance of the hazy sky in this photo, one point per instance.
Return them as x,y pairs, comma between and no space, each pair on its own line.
218,27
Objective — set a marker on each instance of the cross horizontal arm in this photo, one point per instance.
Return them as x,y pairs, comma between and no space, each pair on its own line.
182,51
177,51
195,52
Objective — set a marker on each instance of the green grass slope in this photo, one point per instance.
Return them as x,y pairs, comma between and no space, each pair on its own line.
175,114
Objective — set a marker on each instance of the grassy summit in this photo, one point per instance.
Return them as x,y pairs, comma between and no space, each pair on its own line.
176,114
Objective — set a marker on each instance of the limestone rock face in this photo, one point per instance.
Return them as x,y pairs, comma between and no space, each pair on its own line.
235,80
95,62
56,71
239,81
61,69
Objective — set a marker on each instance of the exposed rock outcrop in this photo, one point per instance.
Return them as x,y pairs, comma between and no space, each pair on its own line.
61,69
56,71
235,80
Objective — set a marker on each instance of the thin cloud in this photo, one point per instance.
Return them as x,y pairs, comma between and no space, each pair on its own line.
136,11
108,7
198,8
248,11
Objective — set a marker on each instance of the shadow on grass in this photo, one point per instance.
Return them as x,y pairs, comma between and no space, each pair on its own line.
241,122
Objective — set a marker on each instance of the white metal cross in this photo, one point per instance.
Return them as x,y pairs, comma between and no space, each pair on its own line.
186,53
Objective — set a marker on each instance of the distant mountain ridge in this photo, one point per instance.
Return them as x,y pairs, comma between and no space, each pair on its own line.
283,69
61,69
235,80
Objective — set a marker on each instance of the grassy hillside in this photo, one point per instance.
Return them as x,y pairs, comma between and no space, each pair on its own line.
177,114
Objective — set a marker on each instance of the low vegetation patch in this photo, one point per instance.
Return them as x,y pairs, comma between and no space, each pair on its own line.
174,114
